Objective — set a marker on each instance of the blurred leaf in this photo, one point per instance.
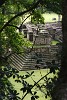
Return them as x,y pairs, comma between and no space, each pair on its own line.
32,98
18,81
36,97
35,93
32,72
23,89
52,70
26,76
13,76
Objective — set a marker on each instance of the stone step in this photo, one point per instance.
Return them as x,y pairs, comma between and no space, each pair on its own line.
17,60
19,64
26,58
22,63
21,59
14,65
29,61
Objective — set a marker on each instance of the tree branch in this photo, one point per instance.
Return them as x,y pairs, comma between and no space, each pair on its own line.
20,25
23,22
13,26
21,13
26,18
35,84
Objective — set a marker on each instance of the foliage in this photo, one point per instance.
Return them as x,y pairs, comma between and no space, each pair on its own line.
12,41
37,17
7,91
51,82
52,6
42,83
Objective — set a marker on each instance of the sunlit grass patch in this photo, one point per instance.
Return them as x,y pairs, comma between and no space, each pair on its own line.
35,76
54,42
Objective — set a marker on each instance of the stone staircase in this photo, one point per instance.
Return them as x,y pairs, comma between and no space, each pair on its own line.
30,61
27,61
33,60
22,61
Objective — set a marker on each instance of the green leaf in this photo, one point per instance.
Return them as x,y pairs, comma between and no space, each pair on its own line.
13,70
35,93
24,89
32,98
13,76
18,81
46,96
21,89
27,76
52,70
36,97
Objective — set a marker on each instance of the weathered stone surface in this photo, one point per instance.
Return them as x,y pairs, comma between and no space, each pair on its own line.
41,35
60,92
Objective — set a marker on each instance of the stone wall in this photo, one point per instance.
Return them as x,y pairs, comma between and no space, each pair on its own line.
49,30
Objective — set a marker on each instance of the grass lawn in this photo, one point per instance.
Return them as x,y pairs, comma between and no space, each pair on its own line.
36,76
54,42
40,46
48,17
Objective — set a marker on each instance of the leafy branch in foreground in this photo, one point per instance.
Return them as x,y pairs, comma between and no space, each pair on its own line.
27,88
50,83
19,14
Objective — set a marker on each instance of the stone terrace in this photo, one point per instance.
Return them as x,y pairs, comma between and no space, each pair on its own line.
41,35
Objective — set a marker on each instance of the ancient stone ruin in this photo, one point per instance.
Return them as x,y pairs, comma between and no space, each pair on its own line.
43,51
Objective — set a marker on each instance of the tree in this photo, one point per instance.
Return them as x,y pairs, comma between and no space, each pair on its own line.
60,92
11,41
63,71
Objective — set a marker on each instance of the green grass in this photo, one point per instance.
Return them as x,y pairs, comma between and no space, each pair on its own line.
36,76
54,42
48,17
40,46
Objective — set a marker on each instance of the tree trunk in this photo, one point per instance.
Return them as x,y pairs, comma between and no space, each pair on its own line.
63,71
60,91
